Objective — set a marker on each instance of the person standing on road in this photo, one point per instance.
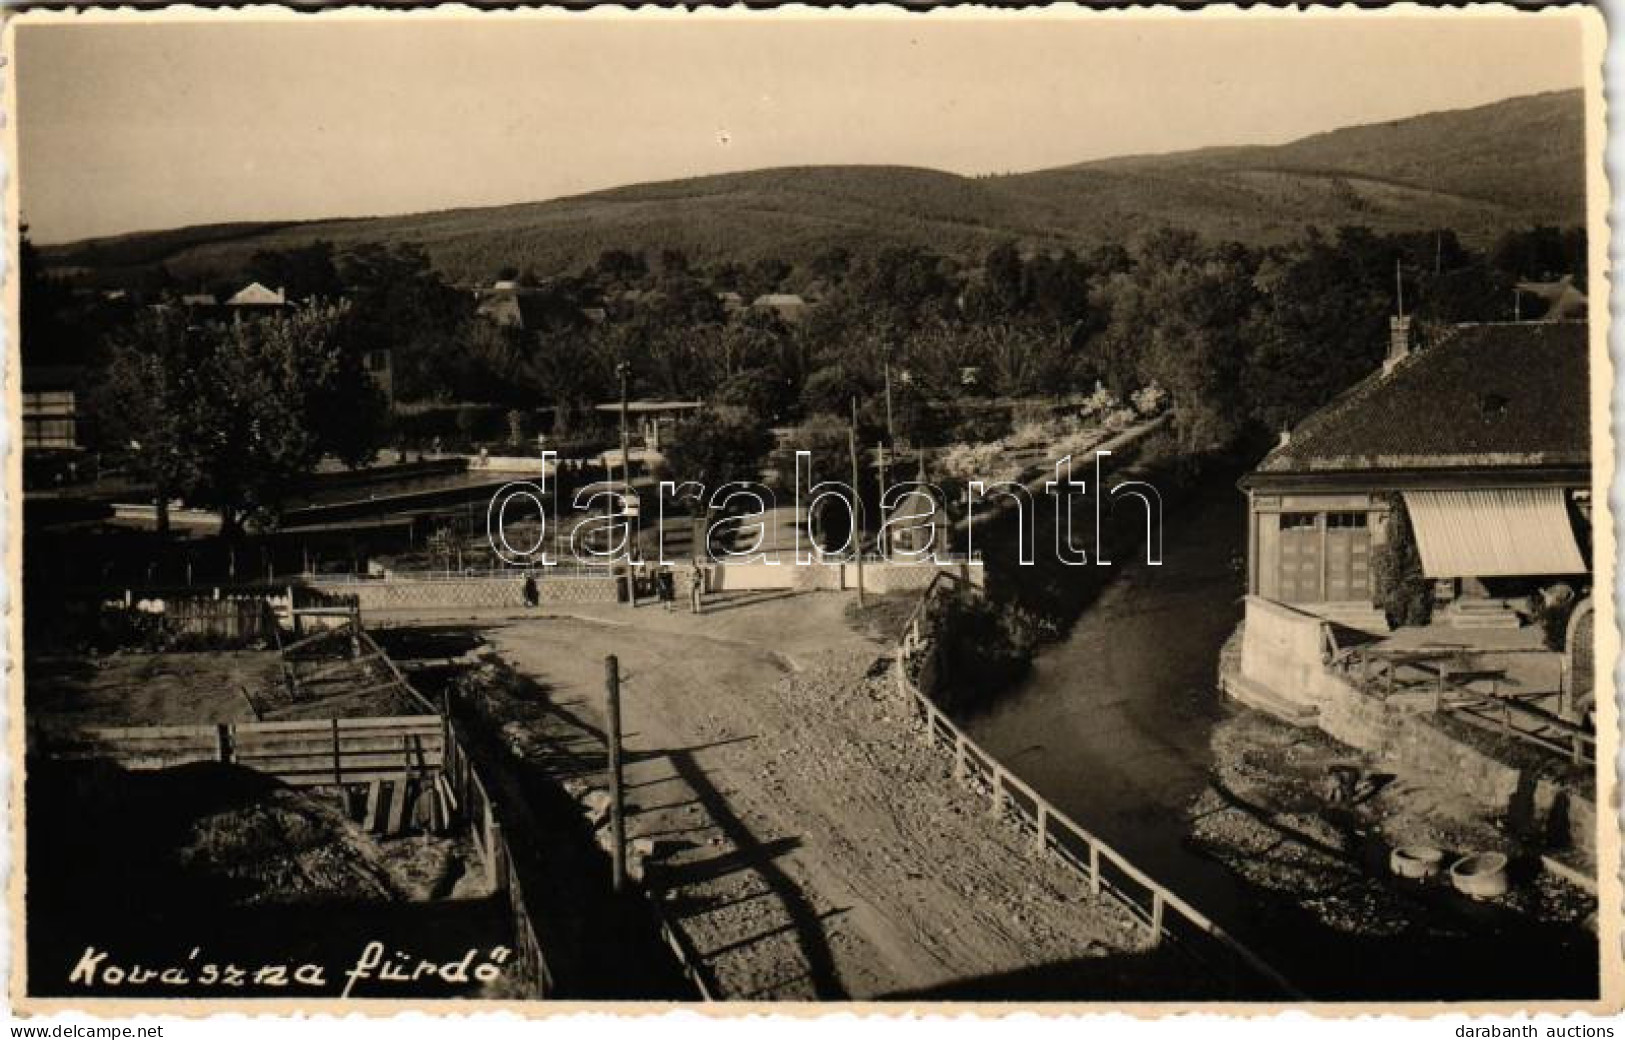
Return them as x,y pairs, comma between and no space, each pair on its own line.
667,583
696,589
531,595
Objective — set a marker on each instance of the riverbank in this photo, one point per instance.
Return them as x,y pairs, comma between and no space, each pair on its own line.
1121,724
1319,871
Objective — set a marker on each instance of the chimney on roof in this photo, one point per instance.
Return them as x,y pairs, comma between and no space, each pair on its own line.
1286,437
1399,343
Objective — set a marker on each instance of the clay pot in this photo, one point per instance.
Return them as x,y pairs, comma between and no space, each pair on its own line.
1418,862
1482,875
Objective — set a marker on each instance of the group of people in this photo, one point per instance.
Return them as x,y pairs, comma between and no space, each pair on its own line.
665,582
665,586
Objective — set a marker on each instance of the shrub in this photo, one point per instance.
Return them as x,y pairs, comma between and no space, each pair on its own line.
1149,399
983,647
1030,435
1101,401
980,426
1551,610
985,462
1399,587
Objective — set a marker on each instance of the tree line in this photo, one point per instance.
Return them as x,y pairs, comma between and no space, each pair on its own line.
1242,339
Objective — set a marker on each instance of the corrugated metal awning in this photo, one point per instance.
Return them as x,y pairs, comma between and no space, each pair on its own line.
1493,533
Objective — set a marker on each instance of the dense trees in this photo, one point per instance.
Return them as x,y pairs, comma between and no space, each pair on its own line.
232,415
1241,339
302,272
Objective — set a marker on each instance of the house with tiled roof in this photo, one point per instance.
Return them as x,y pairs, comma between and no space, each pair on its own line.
790,307
255,295
1562,298
1483,437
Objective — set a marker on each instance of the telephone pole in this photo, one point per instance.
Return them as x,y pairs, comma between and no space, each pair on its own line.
617,822
621,370
857,496
891,434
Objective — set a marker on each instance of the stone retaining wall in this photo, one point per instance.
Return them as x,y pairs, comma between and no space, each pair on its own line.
1420,743
1280,649
475,592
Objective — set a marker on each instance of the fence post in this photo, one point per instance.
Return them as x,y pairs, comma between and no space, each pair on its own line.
338,770
617,820
1156,916
959,759
493,872
497,863
996,781
223,742
1094,867
1041,827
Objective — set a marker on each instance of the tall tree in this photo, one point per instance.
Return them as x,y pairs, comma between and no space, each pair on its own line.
234,415
303,271
400,303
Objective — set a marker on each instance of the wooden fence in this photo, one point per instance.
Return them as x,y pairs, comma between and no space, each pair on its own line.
1164,914
316,753
469,798
1513,719
238,618
1450,675
419,749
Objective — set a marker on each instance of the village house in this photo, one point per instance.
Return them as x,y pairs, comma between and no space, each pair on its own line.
255,296
51,407
1483,436
790,307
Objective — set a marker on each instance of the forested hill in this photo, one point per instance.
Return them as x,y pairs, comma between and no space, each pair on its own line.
1480,171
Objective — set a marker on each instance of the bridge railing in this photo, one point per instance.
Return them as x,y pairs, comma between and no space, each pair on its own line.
1164,914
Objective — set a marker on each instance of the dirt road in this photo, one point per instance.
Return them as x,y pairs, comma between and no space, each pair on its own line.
802,836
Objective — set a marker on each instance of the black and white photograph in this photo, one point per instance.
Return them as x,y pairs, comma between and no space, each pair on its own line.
1045,508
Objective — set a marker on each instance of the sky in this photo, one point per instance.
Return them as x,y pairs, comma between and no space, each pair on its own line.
126,127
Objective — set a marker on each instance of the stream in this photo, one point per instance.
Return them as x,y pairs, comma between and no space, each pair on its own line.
1113,723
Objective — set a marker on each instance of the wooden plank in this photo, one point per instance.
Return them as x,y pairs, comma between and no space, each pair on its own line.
397,806
437,807
321,703
338,767
319,745
142,744
348,763
393,722
322,729
325,777
374,797
120,732
444,787
381,721
338,667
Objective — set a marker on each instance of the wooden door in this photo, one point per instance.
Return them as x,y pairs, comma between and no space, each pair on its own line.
1348,557
1299,573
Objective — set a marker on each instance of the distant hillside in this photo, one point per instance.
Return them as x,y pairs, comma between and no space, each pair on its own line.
1481,171
1478,170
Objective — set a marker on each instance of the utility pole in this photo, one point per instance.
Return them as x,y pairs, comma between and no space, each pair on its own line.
626,487
857,496
617,822
891,434
880,464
